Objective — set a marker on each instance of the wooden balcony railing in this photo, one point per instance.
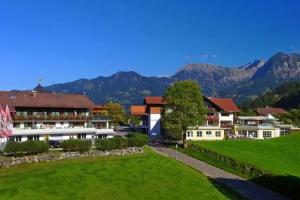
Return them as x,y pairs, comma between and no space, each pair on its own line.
49,117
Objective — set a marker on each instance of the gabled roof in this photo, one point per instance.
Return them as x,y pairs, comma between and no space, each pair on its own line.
44,100
225,104
138,110
154,100
272,111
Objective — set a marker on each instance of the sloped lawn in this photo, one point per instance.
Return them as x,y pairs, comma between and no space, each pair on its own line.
143,176
279,158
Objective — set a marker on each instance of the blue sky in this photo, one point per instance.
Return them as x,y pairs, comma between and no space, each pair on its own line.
60,41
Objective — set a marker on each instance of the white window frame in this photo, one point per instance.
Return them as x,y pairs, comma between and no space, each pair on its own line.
208,135
190,134
267,134
199,133
218,133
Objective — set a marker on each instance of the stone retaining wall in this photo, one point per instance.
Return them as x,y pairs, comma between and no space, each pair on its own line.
13,161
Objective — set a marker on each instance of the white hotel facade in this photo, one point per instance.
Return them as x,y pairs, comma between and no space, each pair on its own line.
53,117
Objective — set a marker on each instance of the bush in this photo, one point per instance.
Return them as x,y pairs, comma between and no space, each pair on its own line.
112,143
76,145
118,142
137,142
245,169
27,147
137,139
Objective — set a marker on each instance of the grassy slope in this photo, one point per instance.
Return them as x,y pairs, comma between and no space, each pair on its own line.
145,176
280,156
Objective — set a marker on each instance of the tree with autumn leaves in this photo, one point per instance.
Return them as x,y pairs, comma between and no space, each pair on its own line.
116,112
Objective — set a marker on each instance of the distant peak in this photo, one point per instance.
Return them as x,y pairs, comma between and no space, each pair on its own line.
126,73
254,65
196,67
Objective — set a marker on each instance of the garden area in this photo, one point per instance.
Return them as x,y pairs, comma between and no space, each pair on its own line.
137,176
274,163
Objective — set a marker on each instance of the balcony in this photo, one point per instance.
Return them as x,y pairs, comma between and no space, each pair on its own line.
49,118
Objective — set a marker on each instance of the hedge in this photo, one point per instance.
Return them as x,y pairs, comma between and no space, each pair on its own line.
76,145
246,169
136,139
27,147
118,142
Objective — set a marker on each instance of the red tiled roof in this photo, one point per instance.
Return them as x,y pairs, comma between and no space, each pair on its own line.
155,110
138,110
225,104
44,100
273,111
154,100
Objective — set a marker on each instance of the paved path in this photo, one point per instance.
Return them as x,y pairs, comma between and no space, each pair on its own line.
242,186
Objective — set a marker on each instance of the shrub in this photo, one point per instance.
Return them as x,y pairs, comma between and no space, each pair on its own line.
112,143
246,169
76,145
118,142
137,139
104,144
27,147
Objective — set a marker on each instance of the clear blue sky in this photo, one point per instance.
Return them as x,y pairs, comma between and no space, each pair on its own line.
60,40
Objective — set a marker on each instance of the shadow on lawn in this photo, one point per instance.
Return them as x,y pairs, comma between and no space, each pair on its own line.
226,190
289,185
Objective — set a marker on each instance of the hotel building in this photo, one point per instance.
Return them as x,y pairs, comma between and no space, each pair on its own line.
53,117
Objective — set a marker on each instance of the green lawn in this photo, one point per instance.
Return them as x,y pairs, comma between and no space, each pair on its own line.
142,176
280,156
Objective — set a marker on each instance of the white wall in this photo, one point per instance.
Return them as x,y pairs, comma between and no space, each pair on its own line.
204,136
154,124
226,118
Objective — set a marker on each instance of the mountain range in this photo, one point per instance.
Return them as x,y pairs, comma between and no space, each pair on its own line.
239,83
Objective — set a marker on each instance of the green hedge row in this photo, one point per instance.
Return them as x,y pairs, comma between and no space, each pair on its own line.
132,140
76,145
286,185
244,168
27,147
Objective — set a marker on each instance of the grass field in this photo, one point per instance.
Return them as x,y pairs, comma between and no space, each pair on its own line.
280,155
142,176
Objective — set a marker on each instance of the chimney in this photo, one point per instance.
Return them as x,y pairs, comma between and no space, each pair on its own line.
34,94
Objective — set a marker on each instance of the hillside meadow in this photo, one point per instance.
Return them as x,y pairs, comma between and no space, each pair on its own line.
141,176
277,160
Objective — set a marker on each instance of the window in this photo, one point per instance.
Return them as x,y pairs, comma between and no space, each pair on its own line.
208,133
190,133
102,136
36,137
252,133
218,133
199,133
242,133
81,136
267,134
18,138
225,114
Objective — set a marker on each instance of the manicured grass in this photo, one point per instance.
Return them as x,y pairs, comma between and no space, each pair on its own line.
278,159
141,176
280,156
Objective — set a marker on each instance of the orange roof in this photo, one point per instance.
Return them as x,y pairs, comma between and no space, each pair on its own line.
273,111
138,110
155,110
154,100
225,104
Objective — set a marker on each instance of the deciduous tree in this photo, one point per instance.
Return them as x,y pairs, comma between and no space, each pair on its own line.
184,108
